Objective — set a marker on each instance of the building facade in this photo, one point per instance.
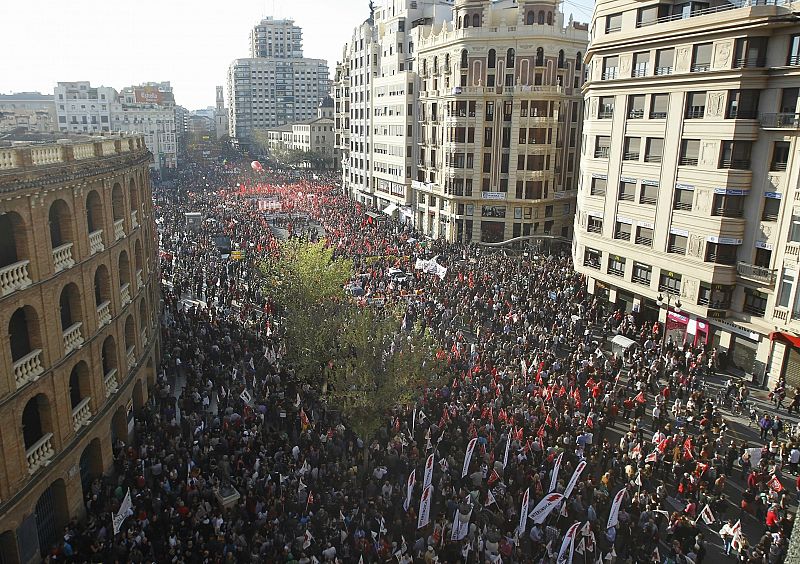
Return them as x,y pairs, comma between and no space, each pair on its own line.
341,115
82,108
220,115
30,112
149,109
689,176
314,137
280,39
79,294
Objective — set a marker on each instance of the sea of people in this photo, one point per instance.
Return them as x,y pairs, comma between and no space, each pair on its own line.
234,460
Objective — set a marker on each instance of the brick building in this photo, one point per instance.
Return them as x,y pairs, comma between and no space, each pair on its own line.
78,315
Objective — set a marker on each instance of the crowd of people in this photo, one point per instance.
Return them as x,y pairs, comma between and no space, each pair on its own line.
233,460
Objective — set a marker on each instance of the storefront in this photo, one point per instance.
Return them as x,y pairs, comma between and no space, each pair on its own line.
676,327
738,350
791,357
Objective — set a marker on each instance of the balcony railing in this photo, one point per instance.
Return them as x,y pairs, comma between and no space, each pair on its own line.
754,309
131,356
72,338
81,414
696,112
727,212
616,271
623,235
96,241
688,161
700,67
648,200
139,280
610,74
739,164
757,273
592,263
661,71
646,241
119,229
601,152
718,304
28,368
40,453
658,115
630,156
780,121
143,335
676,250
104,313
667,289
780,314
110,381
62,257
626,197
718,258
605,114
125,294
652,158
749,62
682,206
14,277
642,280
636,114
134,219
730,5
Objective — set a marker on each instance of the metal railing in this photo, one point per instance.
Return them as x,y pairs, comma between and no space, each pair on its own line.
739,164
781,120
688,161
661,71
630,156
727,212
636,114
695,112
676,250
626,197
623,235
646,241
652,158
754,272
749,62
682,206
648,200
616,271
605,114
601,152
669,289
658,115
644,281
700,67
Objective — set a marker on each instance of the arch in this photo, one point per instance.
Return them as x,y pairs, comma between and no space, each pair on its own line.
549,18
436,65
540,57
24,332
91,465
133,193
119,426
52,515
142,315
108,355
530,18
578,61
8,548
94,212
102,285
477,73
510,56
476,20
117,202
36,420
60,219
525,71
14,237
447,62
541,17
492,59
464,59
424,67
124,266
130,333
137,255
80,384
70,306
561,58
466,21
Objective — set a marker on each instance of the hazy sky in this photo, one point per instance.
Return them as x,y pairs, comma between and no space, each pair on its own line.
188,42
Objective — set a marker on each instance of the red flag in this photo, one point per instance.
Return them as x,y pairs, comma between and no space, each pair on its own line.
520,434
494,477
562,391
640,398
662,446
589,423
775,484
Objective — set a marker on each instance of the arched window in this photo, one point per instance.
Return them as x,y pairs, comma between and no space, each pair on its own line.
436,65
541,17
530,18
561,59
492,59
540,57
476,20
549,18
464,62
510,59
466,21
447,62
578,61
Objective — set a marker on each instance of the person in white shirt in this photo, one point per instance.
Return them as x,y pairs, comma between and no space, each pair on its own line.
727,533
794,459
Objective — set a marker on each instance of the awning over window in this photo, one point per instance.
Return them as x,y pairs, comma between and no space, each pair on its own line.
788,338
390,209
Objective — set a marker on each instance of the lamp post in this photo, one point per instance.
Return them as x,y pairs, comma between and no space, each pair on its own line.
660,301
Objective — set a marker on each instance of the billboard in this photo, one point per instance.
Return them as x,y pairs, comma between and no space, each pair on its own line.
151,95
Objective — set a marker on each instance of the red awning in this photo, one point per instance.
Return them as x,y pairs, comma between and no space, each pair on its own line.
788,338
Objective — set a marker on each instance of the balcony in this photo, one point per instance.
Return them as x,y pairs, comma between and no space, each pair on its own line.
630,156
40,453
749,62
623,235
605,114
81,414
636,114
610,74
104,313
687,161
642,280
700,67
780,121
601,152
668,289
110,381
696,112
119,229
62,257
143,336
139,280
125,294
658,115
72,338
731,5
756,273
14,277
661,71
781,314
28,368
96,242
646,241
616,271
131,356
738,164
134,219
594,228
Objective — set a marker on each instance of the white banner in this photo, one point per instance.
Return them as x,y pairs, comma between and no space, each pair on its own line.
431,267
523,516
428,472
412,479
574,479
544,507
124,512
425,507
460,529
468,456
554,476
565,554
615,505
508,446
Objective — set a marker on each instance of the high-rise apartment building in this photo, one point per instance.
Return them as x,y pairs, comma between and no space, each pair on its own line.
276,85
686,206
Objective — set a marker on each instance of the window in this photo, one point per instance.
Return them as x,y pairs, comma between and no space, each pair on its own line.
560,60
648,194
602,146
670,283
735,154
780,156
598,187
785,289
772,207
690,151
715,296
631,149
695,105
636,106
755,303
665,59
763,258
651,14
683,199
642,274
610,67
622,231
701,57
677,244
742,104
720,254
644,236
594,224
578,60
510,59
794,228
606,110
750,52
727,205
641,63
491,63
654,150
592,258
540,57
613,22
616,265
627,191
659,103
793,57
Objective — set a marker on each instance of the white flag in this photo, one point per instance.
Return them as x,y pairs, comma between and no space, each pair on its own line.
468,456
425,507
125,510
508,446
574,479
545,506
412,479
523,515
615,505
554,476
460,529
565,554
707,516
246,397
581,548
489,499
428,472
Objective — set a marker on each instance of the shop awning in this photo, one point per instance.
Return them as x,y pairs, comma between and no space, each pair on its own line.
788,338
390,209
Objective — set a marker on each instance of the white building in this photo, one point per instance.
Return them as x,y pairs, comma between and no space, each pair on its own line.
314,137
32,112
150,109
220,115
280,39
83,109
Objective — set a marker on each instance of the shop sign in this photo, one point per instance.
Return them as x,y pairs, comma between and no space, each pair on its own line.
733,328
679,186
773,195
723,240
731,191
763,245
677,231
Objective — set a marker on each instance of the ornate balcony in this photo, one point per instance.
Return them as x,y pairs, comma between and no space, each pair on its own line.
134,219
110,381
14,277
139,280
131,355
62,257
28,368
40,453
96,241
756,273
125,293
119,229
81,414
72,338
104,313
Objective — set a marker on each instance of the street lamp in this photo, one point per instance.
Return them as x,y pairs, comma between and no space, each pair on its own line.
660,302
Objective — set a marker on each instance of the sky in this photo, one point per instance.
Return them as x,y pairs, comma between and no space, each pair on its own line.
187,42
